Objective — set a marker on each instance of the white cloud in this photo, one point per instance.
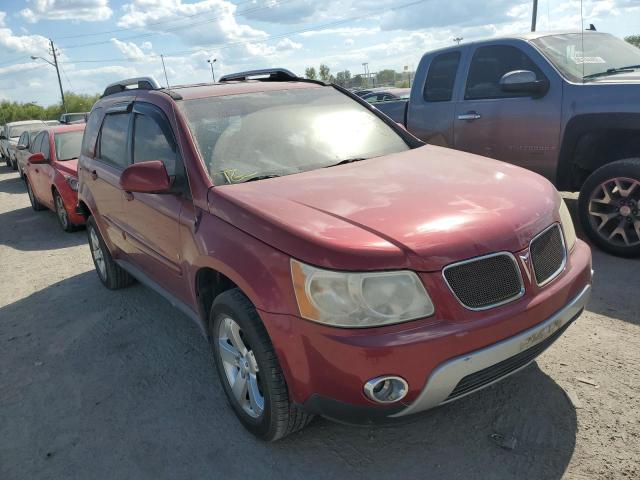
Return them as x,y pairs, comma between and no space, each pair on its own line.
344,31
29,44
129,49
84,10
288,44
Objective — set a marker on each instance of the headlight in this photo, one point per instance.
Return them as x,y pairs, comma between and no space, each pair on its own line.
73,182
358,300
567,225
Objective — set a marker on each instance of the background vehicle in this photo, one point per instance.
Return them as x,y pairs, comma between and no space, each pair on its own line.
79,117
11,134
387,94
542,102
51,173
24,149
52,123
219,197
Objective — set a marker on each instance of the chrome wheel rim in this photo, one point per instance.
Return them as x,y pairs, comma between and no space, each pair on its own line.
96,253
61,211
240,367
614,211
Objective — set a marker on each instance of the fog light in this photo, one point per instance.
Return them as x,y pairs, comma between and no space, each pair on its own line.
386,389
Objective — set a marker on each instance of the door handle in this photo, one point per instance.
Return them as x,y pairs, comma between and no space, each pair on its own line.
94,175
469,116
128,196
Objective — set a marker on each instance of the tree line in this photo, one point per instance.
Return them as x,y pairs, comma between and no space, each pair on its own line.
345,79
16,111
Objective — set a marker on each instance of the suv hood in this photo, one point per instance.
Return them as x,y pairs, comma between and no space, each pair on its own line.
419,209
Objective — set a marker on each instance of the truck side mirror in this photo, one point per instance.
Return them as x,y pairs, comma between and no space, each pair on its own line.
524,81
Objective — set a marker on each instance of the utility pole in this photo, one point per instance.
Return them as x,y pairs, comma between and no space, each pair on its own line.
55,64
366,72
534,16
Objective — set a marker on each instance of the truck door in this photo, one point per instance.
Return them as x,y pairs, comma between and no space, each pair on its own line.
431,108
519,128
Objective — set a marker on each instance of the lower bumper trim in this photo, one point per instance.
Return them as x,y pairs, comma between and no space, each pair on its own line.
469,373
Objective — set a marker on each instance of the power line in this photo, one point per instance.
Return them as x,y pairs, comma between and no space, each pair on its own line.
125,29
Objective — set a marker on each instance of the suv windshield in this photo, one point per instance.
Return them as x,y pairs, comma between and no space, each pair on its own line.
275,133
601,56
68,145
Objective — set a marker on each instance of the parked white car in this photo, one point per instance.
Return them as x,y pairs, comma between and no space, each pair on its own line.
10,135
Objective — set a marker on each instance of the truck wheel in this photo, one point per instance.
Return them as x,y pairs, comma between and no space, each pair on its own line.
609,207
249,371
35,204
112,275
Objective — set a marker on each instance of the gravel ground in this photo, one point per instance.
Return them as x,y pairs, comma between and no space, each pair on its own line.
98,384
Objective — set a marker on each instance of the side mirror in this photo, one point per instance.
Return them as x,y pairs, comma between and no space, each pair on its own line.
37,158
146,177
524,81
3,136
21,146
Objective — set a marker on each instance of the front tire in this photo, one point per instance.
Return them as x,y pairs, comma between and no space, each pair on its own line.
112,275
249,370
62,214
609,207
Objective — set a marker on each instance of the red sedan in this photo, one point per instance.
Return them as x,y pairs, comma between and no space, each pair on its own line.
51,173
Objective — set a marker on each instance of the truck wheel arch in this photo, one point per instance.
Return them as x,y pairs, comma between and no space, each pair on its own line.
593,140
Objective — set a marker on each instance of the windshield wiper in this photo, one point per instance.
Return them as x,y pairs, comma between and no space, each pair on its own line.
613,71
261,177
346,160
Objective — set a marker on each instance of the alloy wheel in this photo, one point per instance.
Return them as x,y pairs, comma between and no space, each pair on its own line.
240,367
96,252
614,211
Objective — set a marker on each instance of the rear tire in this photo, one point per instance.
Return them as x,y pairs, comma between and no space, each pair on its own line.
609,207
112,275
14,164
35,204
268,413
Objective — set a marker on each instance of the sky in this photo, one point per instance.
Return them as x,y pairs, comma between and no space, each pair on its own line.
101,41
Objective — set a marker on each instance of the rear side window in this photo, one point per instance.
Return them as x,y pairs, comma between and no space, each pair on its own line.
67,145
44,148
91,133
441,77
113,139
150,142
488,66
24,139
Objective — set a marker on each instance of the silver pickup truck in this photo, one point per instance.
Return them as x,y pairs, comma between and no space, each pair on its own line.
566,105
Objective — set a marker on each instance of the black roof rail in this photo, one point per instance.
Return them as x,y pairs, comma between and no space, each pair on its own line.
142,83
266,74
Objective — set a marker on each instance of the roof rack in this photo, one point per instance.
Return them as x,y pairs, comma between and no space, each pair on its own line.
266,74
142,83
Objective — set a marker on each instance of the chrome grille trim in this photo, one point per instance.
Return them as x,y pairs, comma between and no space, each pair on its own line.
477,259
564,257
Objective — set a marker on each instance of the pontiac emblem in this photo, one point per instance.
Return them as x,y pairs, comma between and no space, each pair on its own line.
524,258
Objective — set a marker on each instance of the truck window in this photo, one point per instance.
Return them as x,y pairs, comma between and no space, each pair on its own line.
488,66
441,77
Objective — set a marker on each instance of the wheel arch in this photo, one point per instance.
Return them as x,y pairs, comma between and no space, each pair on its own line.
593,140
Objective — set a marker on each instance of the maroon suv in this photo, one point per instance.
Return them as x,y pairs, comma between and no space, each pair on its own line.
338,266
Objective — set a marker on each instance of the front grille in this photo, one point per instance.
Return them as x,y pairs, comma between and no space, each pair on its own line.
548,254
485,282
495,372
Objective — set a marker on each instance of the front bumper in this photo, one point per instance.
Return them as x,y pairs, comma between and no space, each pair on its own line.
326,367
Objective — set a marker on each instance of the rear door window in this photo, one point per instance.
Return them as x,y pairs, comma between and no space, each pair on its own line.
24,139
488,66
36,145
441,77
153,142
45,146
113,140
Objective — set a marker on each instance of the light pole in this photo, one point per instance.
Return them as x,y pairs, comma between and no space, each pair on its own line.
211,62
55,65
